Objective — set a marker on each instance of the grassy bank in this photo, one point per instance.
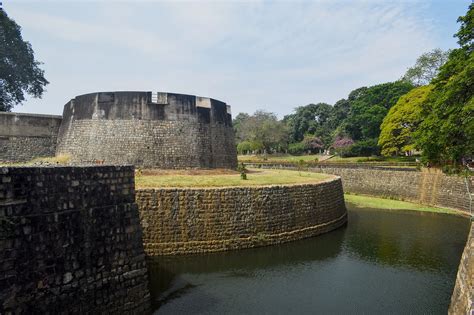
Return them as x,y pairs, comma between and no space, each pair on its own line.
286,158
389,204
281,158
211,178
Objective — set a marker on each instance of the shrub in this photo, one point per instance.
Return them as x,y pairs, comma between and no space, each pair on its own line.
362,148
296,148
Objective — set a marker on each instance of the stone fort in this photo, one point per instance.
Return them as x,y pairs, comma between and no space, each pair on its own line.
162,130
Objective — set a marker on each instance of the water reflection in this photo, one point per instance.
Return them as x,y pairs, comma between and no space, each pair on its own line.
381,262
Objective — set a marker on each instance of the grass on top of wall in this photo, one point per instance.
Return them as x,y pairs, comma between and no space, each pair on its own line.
255,177
52,160
390,204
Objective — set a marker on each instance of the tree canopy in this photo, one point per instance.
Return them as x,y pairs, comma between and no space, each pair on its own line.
311,119
368,107
426,67
19,71
260,131
398,127
446,134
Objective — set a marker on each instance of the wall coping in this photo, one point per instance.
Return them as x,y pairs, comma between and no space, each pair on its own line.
31,115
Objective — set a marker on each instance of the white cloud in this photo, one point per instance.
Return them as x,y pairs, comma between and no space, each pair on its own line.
250,54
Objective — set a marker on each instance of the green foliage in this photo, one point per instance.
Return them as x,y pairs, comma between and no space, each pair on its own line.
369,107
366,147
312,144
19,71
301,165
398,127
446,134
311,119
261,131
241,168
426,67
296,148
465,34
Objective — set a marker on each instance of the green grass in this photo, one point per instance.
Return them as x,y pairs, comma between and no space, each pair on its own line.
278,158
286,158
372,159
254,178
389,204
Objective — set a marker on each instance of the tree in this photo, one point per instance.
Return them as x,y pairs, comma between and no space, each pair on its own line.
19,71
368,107
446,134
237,123
465,34
262,131
313,144
398,127
426,67
311,119
342,144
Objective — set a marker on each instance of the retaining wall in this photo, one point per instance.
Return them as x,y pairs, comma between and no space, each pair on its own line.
27,136
196,220
70,242
429,187
462,300
169,131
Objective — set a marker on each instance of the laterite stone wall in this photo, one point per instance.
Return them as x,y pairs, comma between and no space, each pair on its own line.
430,187
172,131
24,137
197,220
462,300
71,242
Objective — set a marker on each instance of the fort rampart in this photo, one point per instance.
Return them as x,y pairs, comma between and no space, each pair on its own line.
429,187
462,300
27,136
163,130
70,242
197,220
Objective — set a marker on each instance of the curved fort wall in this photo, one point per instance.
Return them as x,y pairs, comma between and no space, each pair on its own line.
196,220
163,130
27,136
430,187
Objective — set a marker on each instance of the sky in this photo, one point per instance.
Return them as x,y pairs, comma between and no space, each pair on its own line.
269,55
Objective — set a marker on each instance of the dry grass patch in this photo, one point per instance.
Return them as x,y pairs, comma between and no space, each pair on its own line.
220,178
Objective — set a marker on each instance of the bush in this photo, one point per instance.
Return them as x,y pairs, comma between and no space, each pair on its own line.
296,148
362,148
244,147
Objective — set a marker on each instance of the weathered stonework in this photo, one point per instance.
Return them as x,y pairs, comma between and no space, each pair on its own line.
169,131
70,242
428,187
26,136
462,300
197,220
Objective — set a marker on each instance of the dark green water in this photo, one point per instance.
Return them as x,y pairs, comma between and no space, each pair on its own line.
382,262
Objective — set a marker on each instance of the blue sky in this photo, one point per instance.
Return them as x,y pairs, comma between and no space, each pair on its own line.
272,55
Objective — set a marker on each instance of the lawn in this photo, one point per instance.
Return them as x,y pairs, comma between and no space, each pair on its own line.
374,159
255,177
390,204
279,158
287,158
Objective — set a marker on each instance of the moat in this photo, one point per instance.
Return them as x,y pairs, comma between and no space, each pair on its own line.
381,262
